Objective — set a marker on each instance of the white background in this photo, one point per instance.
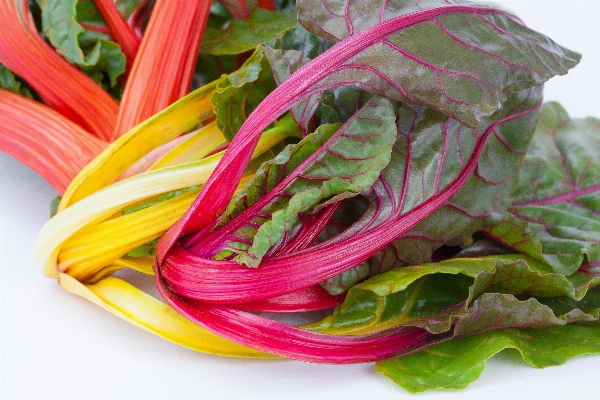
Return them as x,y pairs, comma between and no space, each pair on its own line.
58,346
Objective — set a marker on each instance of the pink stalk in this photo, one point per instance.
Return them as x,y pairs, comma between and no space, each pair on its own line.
311,298
137,18
277,338
119,30
61,86
44,140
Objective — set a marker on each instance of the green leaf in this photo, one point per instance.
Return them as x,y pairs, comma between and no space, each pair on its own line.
467,296
457,363
330,164
299,39
12,83
437,149
241,36
555,211
476,307
92,51
410,48
238,93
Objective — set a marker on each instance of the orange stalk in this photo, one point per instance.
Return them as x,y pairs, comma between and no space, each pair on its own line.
44,140
61,86
164,66
119,30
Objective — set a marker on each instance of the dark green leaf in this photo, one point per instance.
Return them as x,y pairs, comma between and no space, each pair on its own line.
238,93
12,83
410,52
241,36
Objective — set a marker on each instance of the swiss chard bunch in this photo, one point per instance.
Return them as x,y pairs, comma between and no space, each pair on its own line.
389,161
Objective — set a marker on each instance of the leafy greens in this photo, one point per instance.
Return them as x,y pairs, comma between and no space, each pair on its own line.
423,191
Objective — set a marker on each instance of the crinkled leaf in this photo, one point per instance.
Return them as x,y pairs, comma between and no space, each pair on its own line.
555,211
333,162
407,51
338,164
91,50
473,322
241,36
457,363
238,93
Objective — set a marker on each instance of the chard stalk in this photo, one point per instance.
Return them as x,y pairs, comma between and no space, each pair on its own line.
120,30
50,144
169,51
61,85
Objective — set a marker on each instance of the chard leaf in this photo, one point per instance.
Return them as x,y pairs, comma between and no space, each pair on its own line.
362,60
93,51
466,296
331,163
457,363
394,208
241,36
343,282
555,211
335,105
407,51
238,93
431,152
506,299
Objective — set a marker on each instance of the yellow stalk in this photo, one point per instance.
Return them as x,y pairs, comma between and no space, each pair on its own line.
139,308
95,246
101,205
196,146
89,237
181,117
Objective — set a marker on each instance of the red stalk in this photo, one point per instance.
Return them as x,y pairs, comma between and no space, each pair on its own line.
163,68
47,142
119,30
311,298
61,86
267,4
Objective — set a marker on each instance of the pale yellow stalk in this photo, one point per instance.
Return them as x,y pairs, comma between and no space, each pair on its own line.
140,309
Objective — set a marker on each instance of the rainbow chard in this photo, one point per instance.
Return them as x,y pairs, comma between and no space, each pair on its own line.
460,119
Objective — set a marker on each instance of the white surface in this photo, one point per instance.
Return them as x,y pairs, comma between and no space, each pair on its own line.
58,346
